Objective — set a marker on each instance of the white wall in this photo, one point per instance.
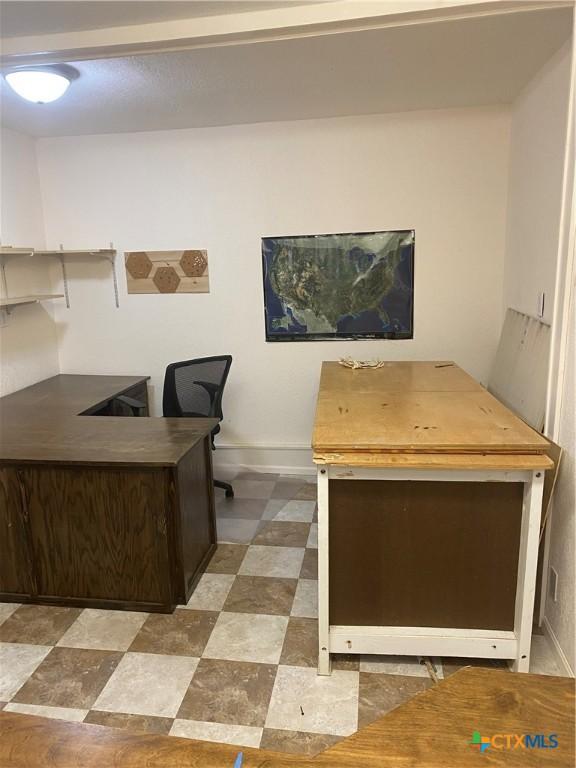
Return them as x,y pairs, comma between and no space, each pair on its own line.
560,614
537,157
28,342
442,173
537,143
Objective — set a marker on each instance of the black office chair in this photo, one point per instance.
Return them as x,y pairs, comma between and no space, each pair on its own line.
194,389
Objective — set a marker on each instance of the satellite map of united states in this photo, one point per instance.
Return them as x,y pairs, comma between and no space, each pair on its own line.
327,286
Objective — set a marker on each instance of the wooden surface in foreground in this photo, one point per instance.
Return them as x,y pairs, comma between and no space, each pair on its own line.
433,730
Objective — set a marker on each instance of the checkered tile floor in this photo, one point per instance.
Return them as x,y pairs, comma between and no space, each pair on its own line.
235,665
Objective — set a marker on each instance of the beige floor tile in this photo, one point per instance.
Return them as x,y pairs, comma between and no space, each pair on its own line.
130,723
310,565
300,647
235,692
148,684
253,489
261,594
273,506
69,677
297,742
397,665
237,508
308,492
103,630
297,511
6,610
380,694
239,735
305,603
282,534
267,476
236,531
38,624
211,592
17,663
55,713
182,633
247,637
312,542
287,488
284,562
303,700
227,558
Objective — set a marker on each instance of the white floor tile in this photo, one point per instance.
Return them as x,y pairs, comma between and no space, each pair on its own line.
305,603
240,735
211,592
283,562
312,542
17,663
56,713
6,610
148,684
302,700
103,630
297,511
247,637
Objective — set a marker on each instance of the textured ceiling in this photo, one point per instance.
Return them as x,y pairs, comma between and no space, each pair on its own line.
471,62
48,16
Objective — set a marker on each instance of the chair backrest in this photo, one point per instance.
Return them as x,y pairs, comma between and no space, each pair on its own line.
195,387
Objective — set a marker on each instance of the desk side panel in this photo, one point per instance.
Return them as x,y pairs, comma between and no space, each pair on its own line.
195,523
15,569
99,534
424,554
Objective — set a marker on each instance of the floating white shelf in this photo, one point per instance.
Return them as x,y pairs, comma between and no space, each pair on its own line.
7,251
104,253
16,301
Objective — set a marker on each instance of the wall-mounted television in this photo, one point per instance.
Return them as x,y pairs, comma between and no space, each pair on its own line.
342,286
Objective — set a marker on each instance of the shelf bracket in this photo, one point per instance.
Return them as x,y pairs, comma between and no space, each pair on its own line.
112,260
64,277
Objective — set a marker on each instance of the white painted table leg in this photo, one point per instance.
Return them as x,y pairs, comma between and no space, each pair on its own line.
527,564
323,575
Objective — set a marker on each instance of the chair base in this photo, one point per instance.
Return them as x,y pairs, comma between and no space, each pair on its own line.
225,487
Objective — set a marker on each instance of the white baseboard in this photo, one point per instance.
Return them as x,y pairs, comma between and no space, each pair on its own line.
282,459
559,654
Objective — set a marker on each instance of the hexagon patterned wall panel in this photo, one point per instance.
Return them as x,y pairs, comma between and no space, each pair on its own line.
167,271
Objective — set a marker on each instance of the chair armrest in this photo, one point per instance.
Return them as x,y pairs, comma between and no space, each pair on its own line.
135,405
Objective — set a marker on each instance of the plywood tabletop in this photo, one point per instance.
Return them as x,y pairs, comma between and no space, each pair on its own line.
514,462
414,407
409,376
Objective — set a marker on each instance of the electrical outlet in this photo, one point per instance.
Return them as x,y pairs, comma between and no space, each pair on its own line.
553,583
541,303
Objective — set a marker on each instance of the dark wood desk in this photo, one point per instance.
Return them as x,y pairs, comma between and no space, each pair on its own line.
97,510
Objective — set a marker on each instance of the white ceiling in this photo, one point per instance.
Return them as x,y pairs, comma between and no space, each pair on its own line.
20,17
480,61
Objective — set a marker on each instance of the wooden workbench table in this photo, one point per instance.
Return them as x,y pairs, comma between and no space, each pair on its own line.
439,556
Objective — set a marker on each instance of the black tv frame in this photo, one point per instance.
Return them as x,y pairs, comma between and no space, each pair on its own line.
388,335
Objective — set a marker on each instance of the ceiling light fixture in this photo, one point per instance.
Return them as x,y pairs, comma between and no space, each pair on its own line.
41,84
